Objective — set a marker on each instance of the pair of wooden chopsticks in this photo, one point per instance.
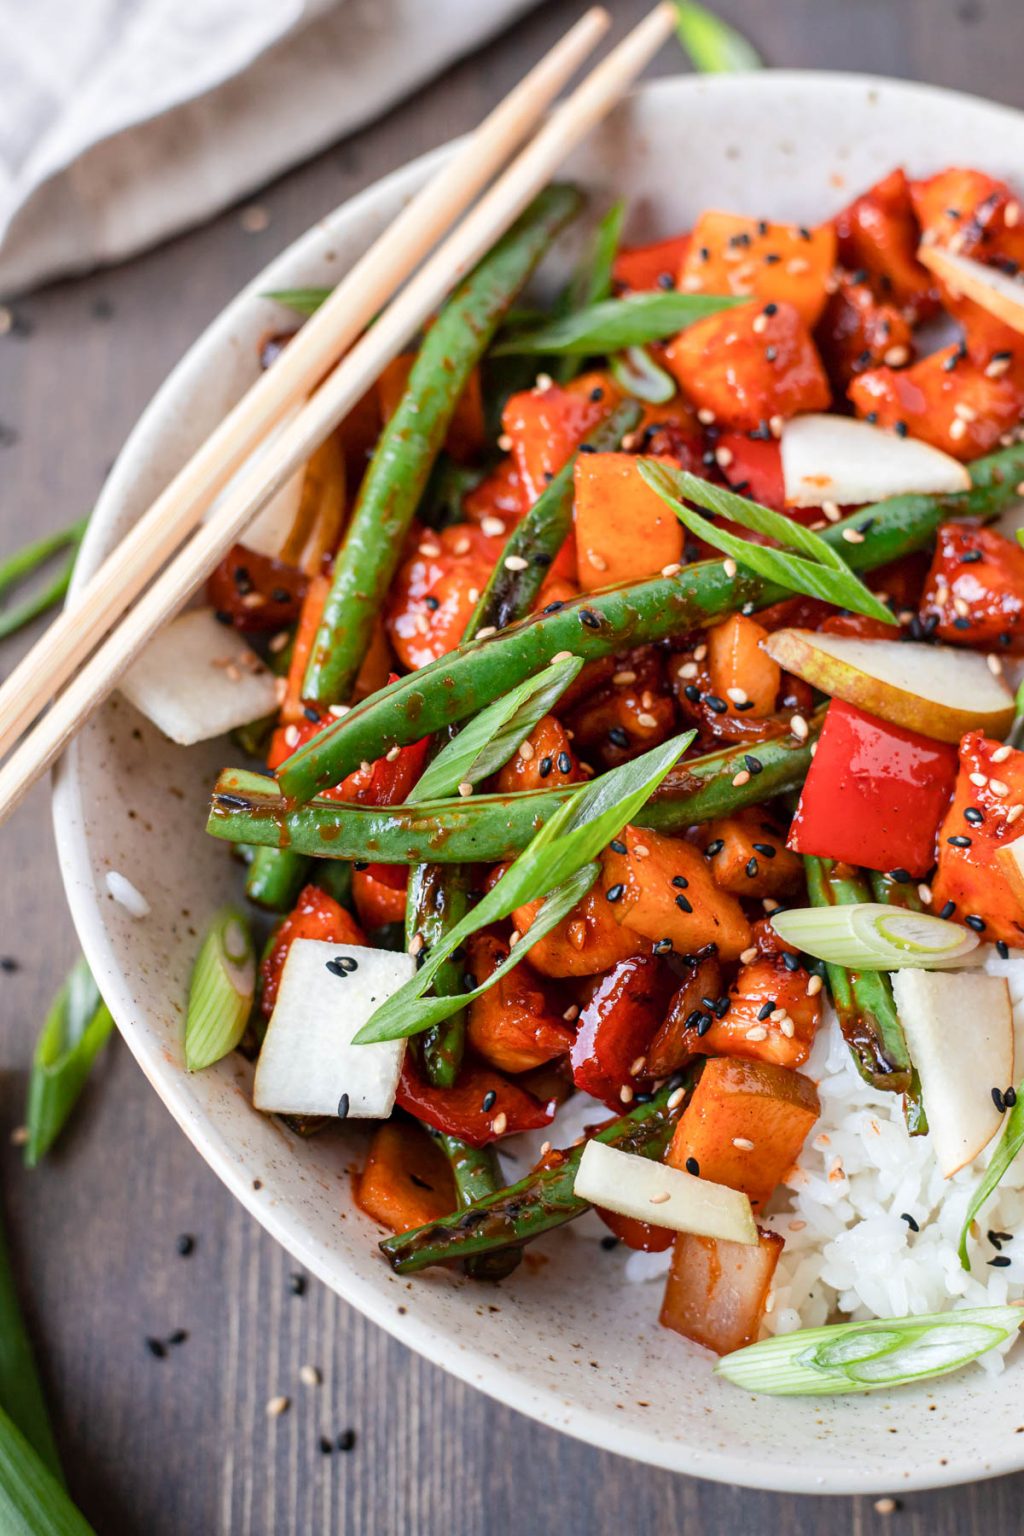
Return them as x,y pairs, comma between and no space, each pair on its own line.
143,559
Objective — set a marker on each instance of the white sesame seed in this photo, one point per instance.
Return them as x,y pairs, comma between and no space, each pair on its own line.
831,511
723,457
637,1066
465,789
671,570
787,1027
562,656
997,367
309,1376
515,935
126,894
392,755
797,1226
499,1125
749,955
814,985
799,727
1001,753
925,895
641,850
20,1135
462,546
885,1506
895,357
526,751
997,787
769,904
995,666
775,425
515,563
853,536
544,381
769,1302
276,1406
730,568
705,417
736,695
488,629
545,1148
571,1014
626,1094
648,722
960,608
741,778
505,443
660,1196
700,652
597,561
1013,813
760,325
743,1144
957,429
430,549
1011,215
965,412
277,642
415,944
757,1033
978,779
675,1098
797,265
493,527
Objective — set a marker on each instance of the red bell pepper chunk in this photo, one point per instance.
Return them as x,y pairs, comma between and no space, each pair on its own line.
617,1026
384,782
641,268
753,465
314,916
636,1234
874,794
974,593
460,1111
256,592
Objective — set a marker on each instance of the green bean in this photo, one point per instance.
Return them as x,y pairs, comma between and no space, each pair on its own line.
438,899
541,1201
411,441
275,878
606,623
484,829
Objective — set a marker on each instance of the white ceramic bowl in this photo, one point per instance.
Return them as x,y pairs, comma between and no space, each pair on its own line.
569,1342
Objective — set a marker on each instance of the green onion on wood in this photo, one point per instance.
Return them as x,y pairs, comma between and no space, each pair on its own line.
76,1029
21,1392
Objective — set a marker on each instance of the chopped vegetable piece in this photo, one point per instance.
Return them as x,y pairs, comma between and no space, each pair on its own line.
379,894
874,793
878,235
197,679
587,941
738,665
316,915
863,1357
545,760
221,991
643,267
798,279
980,821
482,1107
975,589
664,1196
406,1179
517,1025
671,1047
545,426
857,332
872,936
711,43
838,459
624,531
929,400
926,688
748,366
771,1017
716,1290
958,1066
666,891
997,292
750,856
256,592
745,1125
616,1027
434,593
76,1028
308,1064
613,324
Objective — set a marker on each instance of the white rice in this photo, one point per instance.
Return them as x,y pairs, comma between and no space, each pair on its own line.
849,1252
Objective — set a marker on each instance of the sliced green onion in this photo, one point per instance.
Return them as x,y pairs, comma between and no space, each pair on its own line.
305,301
874,937
21,1391
221,991
492,736
27,560
612,324
714,46
32,1500
862,1357
640,376
75,1030
1006,1152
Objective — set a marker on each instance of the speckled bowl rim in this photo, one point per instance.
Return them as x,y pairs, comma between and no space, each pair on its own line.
475,1366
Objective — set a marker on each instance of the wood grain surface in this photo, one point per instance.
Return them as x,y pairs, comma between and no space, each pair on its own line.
182,1444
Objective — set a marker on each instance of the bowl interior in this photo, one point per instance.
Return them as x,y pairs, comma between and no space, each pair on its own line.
786,145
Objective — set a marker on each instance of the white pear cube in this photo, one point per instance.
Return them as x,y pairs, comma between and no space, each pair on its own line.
308,1064
959,1029
994,290
198,679
666,1197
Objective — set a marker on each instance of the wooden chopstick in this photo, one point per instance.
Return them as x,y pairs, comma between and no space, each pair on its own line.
344,386
364,290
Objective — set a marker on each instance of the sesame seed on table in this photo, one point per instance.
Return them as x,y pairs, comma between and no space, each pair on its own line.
198,1379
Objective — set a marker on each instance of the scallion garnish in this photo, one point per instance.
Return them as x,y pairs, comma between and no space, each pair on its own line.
871,936
640,376
818,570
590,283
32,1500
614,324
221,991
75,1030
27,560
1005,1153
21,1392
862,1357
557,863
305,301
714,46
492,736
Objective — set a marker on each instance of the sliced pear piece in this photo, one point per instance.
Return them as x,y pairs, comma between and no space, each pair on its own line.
996,291
934,689
838,459
1010,859
959,1029
666,1197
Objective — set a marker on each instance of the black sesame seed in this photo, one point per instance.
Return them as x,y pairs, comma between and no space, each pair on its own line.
766,1010
974,816
1002,949
337,967
752,869
911,1223
597,393
691,693
770,309
663,947
995,1238
618,737
327,1446
433,603
545,766
961,623
692,1166
753,764
311,713
998,1101
714,703
609,1242
683,904
347,1440
242,580
589,618
791,962
1009,1097
360,865
767,850
186,1244
958,842
1001,1261
666,280
179,1336
680,882
9,965
564,762
297,1285
554,607
704,1023
616,846
343,1107
975,922
693,1019
901,876
615,892
901,429
949,908
157,1348
488,1102
233,802
713,849
970,557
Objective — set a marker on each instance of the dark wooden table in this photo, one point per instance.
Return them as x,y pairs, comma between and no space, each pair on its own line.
162,1447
